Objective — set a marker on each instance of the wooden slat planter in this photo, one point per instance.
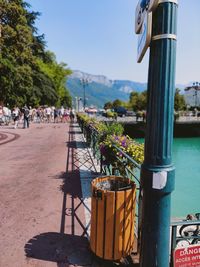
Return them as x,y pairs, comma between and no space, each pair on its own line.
112,218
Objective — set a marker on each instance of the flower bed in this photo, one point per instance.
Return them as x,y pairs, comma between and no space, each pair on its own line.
116,157
110,138
126,144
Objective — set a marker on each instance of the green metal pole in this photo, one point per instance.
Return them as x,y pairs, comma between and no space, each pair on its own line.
158,172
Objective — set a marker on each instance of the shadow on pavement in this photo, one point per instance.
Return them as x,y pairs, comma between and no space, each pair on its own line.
69,249
60,248
73,202
75,132
71,182
66,250
75,144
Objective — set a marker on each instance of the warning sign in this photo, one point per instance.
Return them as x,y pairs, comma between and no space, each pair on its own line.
187,257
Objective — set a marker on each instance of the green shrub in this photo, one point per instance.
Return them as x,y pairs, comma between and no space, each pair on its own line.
115,128
110,114
112,134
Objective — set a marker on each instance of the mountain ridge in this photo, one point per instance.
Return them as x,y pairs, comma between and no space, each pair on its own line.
99,89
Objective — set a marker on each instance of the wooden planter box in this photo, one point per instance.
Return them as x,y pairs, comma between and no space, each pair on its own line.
112,218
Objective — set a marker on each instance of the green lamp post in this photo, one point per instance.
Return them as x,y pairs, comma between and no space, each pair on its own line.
158,172
84,82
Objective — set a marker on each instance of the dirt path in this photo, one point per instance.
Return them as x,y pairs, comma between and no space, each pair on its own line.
33,196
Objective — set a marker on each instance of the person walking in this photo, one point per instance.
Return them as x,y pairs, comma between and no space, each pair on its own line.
38,115
48,114
72,116
26,113
62,113
56,114
6,113
1,115
15,116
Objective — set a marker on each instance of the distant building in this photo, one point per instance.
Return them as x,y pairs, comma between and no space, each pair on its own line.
192,97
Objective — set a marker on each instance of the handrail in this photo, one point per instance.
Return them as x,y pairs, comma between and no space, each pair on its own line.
185,222
127,156
131,160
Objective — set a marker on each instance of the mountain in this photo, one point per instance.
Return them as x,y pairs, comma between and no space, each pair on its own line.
100,89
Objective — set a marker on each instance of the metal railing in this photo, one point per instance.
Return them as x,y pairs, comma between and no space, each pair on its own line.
92,138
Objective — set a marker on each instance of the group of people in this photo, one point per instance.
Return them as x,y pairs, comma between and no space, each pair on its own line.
18,114
51,114
41,114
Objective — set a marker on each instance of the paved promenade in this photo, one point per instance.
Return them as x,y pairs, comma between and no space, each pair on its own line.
45,175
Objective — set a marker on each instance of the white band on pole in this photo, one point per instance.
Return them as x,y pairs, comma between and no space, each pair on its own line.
164,36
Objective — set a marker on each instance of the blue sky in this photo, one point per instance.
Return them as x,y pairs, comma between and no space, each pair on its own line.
98,37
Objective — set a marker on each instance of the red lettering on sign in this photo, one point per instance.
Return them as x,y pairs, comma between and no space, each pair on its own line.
187,257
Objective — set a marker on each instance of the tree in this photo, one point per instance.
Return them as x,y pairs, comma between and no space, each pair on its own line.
108,105
179,101
138,101
142,101
58,74
44,92
117,103
28,74
16,57
133,98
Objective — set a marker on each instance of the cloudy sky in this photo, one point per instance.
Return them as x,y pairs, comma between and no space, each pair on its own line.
98,37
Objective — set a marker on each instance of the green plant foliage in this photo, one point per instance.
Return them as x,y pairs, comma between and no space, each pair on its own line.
28,74
110,114
57,73
111,135
108,105
117,103
138,101
132,148
101,128
179,101
115,128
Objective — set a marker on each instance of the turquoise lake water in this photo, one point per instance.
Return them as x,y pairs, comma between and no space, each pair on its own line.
186,157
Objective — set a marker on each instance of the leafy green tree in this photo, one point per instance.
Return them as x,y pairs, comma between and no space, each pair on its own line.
44,92
108,105
142,101
58,74
133,98
179,101
28,74
117,103
138,101
16,54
